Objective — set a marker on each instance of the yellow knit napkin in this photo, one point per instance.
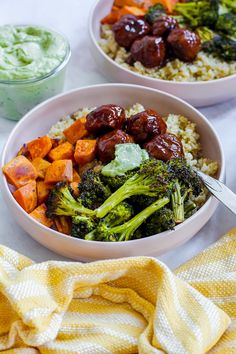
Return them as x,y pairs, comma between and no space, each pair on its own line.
121,306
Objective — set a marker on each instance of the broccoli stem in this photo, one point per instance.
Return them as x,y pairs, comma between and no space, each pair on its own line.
71,207
205,34
184,8
189,207
127,229
134,186
90,236
177,201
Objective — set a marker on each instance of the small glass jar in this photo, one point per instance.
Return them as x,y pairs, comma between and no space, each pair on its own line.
17,97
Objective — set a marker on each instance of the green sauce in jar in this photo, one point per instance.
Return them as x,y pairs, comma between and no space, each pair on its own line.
28,52
32,67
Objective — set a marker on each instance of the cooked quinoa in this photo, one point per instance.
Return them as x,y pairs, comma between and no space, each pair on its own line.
206,67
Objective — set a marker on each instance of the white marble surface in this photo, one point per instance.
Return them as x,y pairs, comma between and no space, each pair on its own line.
70,17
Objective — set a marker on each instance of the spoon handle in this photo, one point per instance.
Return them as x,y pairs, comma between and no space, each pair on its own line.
220,191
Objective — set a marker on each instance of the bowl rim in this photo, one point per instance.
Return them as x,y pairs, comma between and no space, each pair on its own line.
51,73
159,236
140,76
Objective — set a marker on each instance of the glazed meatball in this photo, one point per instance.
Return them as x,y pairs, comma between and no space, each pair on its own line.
106,144
163,26
150,51
128,29
165,147
145,125
184,43
105,118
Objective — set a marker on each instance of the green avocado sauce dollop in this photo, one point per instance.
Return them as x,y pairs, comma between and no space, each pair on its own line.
127,157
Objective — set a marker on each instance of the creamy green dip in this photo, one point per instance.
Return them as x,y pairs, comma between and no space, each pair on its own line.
29,52
29,56
127,157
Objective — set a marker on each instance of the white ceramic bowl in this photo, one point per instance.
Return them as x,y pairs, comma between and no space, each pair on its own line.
38,122
202,93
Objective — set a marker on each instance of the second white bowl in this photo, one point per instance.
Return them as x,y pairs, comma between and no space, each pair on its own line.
201,93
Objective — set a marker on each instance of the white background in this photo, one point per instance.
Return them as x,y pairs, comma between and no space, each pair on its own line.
71,18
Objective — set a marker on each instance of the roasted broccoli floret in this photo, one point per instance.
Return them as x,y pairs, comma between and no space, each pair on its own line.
186,182
116,182
61,202
222,47
226,24
93,192
138,233
117,216
179,169
205,34
120,214
154,12
218,45
160,221
230,4
199,12
125,232
82,224
152,179
189,208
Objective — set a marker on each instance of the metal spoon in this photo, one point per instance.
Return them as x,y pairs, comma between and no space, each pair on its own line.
219,190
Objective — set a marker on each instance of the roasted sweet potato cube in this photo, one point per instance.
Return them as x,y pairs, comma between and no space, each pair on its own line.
111,18
76,176
63,224
39,214
40,147
41,166
122,3
131,10
76,131
24,151
19,171
58,171
64,151
75,188
26,196
85,151
43,190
